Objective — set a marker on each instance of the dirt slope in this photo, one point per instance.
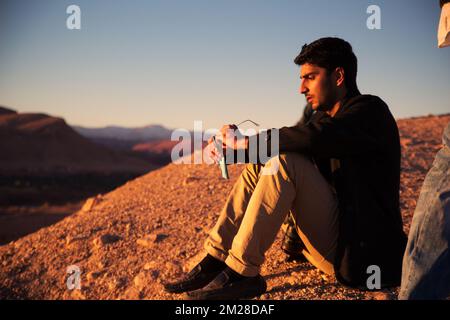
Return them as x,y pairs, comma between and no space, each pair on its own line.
127,241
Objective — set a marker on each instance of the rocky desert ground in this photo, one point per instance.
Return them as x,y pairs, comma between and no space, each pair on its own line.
127,242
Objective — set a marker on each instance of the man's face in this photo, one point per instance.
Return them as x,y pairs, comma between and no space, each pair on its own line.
318,87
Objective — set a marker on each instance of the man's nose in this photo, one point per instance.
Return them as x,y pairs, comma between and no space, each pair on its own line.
303,89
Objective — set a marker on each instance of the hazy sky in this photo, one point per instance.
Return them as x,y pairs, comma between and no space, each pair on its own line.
135,63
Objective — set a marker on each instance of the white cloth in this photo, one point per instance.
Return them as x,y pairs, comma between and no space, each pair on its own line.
444,27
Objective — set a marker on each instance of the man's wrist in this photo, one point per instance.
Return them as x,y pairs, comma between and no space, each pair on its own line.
243,143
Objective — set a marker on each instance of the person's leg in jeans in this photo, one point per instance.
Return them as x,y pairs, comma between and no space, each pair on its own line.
426,263
258,205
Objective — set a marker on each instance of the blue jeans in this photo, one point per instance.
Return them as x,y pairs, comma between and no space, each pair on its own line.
426,263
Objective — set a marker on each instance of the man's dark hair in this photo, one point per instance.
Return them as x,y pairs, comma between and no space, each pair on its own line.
330,53
442,2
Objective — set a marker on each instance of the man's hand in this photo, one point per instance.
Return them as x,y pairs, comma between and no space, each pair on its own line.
229,137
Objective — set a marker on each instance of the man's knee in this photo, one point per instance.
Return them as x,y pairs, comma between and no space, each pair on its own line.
288,161
252,170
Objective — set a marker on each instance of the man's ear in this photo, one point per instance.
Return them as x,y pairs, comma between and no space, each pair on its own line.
340,76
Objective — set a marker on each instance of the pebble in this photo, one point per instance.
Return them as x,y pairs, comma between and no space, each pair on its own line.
105,239
91,203
150,239
190,179
292,280
117,283
144,278
93,275
70,240
150,265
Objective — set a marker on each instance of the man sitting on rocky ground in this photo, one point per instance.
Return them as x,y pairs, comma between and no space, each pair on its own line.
338,177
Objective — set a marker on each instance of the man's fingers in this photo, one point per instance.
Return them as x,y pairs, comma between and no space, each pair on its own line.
213,152
228,128
227,135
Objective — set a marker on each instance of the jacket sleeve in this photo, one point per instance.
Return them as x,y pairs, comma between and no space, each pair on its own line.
351,132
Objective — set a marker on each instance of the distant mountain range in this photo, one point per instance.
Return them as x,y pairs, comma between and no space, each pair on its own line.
140,134
151,143
40,144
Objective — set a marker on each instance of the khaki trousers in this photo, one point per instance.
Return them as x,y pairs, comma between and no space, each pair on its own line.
259,203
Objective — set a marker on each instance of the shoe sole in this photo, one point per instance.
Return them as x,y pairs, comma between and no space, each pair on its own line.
214,295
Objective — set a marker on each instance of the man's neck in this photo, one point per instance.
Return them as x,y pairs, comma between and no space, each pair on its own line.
335,109
332,112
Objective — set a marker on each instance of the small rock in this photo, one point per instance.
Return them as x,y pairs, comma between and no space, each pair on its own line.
144,278
146,241
91,203
70,240
151,239
190,179
106,239
91,276
139,281
97,242
117,283
150,265
292,280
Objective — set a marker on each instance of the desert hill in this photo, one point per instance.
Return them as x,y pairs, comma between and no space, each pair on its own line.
128,241
39,144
